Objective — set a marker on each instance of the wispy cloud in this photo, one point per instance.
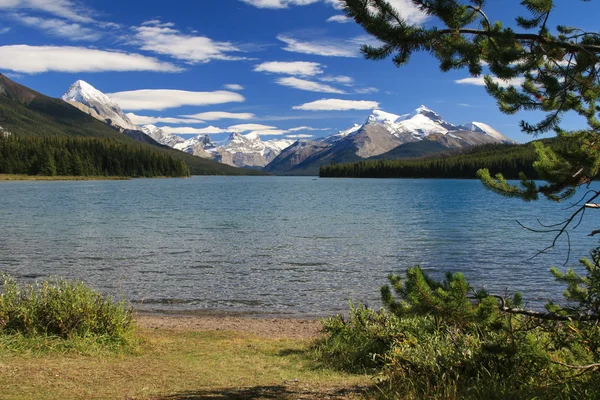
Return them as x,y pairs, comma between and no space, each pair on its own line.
186,130
162,99
307,128
67,9
340,19
299,136
309,86
279,3
406,8
479,81
61,28
367,90
346,80
337,105
250,127
233,86
146,120
217,115
38,59
163,39
327,47
301,68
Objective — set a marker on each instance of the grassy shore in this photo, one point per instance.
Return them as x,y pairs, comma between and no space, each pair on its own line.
184,359
13,177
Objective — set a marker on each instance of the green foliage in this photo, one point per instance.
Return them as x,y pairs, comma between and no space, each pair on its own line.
446,340
50,156
65,310
510,159
558,68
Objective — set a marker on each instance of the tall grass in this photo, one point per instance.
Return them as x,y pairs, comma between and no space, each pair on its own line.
59,309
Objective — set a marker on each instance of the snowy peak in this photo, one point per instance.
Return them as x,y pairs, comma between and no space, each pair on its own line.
480,127
83,92
100,105
161,136
382,117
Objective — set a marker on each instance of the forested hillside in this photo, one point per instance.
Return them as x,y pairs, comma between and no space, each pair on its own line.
76,156
508,159
27,113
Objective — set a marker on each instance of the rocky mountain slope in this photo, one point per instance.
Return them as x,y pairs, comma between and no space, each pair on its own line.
386,135
25,112
95,103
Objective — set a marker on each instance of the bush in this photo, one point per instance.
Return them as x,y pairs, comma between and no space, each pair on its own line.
445,340
62,309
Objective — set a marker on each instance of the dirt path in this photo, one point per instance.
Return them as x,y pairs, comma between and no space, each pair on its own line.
268,328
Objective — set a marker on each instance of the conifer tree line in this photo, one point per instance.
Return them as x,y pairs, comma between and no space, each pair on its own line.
511,160
76,156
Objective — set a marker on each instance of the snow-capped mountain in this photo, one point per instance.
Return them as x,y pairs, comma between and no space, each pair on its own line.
336,137
161,136
237,150
249,150
95,103
383,133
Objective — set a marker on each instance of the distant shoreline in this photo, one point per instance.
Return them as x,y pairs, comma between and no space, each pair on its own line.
18,177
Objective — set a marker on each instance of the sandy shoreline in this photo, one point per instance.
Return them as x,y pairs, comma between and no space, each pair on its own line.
271,328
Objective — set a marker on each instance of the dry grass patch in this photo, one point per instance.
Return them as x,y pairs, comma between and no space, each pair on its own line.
178,364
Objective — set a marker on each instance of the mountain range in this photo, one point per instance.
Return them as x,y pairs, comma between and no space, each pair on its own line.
382,135
27,113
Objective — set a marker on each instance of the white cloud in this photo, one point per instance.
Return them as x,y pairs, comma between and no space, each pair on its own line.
217,115
367,90
407,9
307,128
186,130
301,68
300,136
309,86
68,9
161,99
250,127
268,132
338,79
464,105
278,3
341,19
5,30
146,120
37,59
322,47
479,81
233,86
337,105
165,40
58,27
159,23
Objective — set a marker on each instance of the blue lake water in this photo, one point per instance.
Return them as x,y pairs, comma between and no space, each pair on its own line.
275,245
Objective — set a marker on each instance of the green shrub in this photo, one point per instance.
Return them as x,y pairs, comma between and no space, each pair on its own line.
446,340
65,310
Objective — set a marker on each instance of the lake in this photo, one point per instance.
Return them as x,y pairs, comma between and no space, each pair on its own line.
295,246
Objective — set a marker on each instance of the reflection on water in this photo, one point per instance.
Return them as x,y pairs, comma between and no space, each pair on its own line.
283,245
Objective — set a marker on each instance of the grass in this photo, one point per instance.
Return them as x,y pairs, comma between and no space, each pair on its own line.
16,177
175,365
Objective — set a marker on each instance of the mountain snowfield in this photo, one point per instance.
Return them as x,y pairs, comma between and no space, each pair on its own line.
382,133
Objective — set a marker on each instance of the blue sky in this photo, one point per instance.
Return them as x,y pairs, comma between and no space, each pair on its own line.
264,65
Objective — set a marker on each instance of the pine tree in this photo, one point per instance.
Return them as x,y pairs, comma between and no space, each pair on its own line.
559,69
560,73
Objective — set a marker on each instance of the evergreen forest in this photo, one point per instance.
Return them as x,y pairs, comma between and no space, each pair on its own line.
81,156
508,159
